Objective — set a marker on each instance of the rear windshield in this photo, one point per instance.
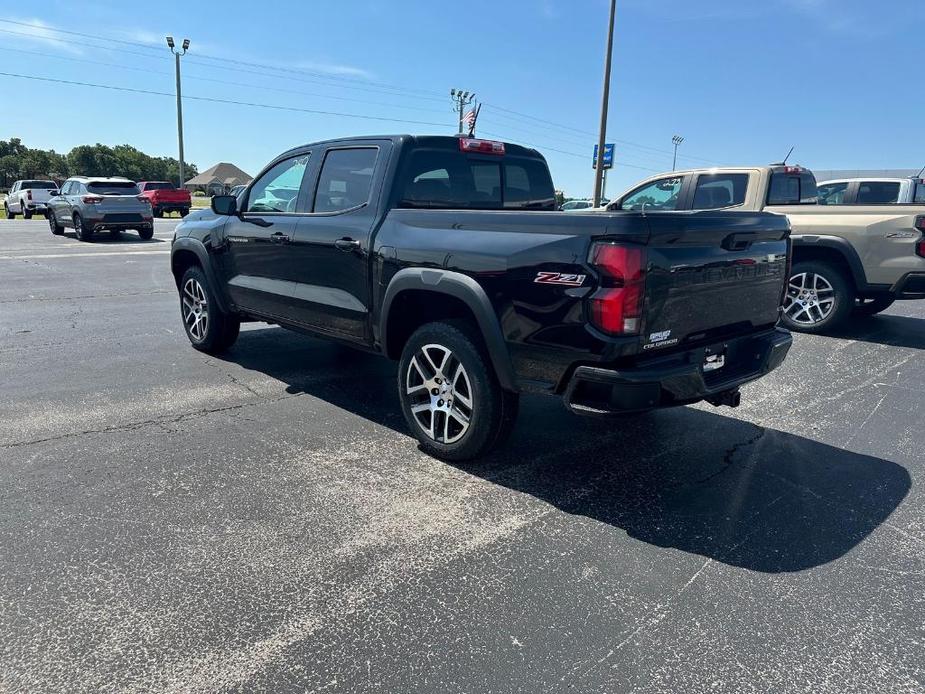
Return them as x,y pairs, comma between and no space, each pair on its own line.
159,185
39,185
442,179
878,192
113,188
792,189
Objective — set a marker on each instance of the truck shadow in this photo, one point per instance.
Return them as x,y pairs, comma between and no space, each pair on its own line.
684,478
895,331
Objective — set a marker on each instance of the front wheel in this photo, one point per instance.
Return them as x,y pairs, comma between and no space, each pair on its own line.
819,297
450,395
56,228
9,212
207,327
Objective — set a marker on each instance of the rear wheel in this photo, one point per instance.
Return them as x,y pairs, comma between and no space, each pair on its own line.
207,327
158,213
82,232
183,213
56,228
819,297
147,233
26,213
870,307
450,395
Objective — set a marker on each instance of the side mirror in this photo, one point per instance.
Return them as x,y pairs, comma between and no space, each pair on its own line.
225,204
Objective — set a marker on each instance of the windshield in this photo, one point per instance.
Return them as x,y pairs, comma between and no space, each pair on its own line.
445,179
113,188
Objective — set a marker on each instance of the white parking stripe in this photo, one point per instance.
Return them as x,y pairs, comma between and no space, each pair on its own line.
80,255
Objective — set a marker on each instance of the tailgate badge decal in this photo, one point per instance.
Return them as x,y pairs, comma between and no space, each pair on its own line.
561,278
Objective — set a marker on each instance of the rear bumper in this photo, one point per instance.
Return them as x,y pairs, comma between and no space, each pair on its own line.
910,286
678,379
118,220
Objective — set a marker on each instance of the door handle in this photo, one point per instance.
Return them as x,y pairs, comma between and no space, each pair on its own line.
279,237
346,244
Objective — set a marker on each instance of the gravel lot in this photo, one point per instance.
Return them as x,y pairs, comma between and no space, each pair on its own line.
171,521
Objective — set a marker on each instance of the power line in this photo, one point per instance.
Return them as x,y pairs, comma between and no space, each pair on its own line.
219,101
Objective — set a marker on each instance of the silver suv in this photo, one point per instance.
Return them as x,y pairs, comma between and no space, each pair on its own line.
91,204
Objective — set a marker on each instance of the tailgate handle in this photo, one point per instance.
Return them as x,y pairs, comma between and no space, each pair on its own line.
738,241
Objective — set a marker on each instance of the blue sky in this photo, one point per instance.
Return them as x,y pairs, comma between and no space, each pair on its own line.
741,80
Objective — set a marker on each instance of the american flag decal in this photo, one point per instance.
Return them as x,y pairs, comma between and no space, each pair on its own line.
560,278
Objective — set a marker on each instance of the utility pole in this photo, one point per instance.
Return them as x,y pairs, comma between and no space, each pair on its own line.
176,55
462,99
599,167
677,140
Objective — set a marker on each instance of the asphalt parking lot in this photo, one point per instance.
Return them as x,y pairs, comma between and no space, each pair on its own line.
171,521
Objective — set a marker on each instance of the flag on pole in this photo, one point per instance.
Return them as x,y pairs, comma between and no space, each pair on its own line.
471,117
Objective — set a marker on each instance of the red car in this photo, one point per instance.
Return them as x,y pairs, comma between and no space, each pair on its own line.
166,197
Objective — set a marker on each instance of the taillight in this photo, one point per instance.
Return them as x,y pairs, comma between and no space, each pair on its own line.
616,307
28,195
470,144
142,198
92,199
920,246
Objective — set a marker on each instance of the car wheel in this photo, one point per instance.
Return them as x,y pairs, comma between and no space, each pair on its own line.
450,395
9,213
26,213
56,228
80,231
207,327
183,213
871,307
147,233
819,297
158,213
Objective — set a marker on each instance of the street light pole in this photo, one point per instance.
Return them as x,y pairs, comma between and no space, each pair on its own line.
677,140
599,165
462,99
176,55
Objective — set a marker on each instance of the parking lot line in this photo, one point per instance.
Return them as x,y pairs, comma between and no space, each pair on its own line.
98,254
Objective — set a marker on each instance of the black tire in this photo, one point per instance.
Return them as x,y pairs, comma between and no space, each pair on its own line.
56,228
26,214
493,410
80,231
183,213
9,213
871,307
221,329
841,289
146,233
158,213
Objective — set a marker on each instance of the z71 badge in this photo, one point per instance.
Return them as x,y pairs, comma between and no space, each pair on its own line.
560,278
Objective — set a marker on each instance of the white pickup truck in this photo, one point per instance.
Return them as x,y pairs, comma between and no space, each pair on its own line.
848,259
29,197
873,191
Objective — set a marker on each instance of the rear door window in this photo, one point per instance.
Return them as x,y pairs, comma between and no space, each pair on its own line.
833,193
658,195
919,192
878,192
720,190
346,179
792,189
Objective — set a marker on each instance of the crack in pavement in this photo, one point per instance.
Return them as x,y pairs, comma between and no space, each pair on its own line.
114,295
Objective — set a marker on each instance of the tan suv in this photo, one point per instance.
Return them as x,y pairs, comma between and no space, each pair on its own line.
848,260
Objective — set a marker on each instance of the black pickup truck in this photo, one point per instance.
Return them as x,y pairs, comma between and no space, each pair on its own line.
448,255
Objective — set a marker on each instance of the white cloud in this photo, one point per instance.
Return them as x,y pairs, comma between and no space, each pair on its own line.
37,31
334,69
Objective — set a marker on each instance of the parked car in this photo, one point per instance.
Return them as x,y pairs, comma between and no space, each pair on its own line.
28,197
411,247
92,204
572,205
872,191
165,197
237,190
847,259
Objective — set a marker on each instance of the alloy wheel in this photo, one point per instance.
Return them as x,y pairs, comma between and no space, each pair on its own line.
810,298
440,393
195,309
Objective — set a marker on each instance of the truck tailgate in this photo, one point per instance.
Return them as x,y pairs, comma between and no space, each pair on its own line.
712,275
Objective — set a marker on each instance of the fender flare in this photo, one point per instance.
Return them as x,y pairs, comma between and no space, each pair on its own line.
205,261
841,246
468,291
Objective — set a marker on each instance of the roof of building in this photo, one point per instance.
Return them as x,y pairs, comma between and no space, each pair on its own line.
223,172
